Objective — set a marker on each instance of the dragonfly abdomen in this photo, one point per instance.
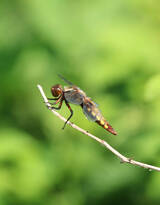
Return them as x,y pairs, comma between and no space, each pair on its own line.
93,113
102,122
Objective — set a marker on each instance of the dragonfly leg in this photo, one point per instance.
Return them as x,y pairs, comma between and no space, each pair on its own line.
53,98
60,101
57,101
69,107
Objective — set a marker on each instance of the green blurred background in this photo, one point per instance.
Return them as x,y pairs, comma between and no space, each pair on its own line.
111,49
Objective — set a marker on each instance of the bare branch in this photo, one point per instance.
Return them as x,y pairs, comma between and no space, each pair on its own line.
109,147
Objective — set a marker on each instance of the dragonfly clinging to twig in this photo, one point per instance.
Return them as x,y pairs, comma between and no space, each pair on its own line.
74,95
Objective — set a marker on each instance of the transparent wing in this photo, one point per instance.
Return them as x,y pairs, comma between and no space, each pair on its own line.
74,95
91,111
65,80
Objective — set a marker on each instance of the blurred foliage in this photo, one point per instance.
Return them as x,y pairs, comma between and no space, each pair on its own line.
111,49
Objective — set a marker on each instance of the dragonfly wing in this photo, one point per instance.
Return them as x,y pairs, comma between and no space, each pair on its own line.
74,95
65,80
91,111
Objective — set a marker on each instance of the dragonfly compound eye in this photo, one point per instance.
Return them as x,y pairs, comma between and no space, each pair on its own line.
56,90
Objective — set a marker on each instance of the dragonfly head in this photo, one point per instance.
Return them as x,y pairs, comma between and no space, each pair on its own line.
56,90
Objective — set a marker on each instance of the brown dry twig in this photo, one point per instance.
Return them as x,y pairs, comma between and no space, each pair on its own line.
122,158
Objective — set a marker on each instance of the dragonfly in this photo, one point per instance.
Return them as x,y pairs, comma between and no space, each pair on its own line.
72,94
